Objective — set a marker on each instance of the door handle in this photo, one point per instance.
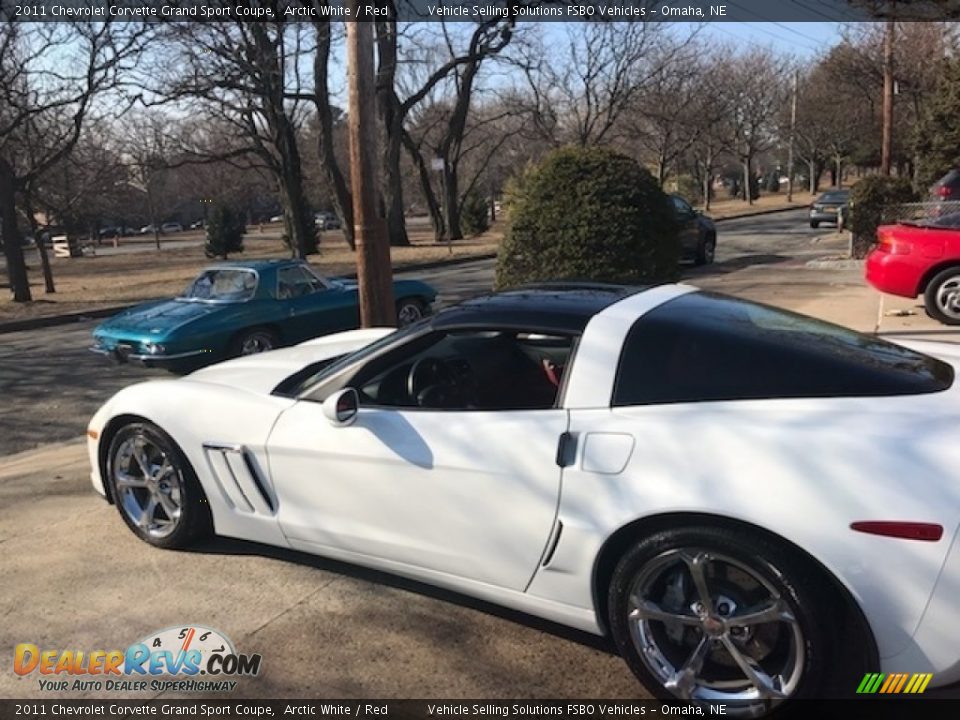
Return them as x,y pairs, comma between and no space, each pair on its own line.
566,450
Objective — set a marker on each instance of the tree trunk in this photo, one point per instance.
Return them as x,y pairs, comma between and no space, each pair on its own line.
12,249
812,166
838,173
48,285
296,214
747,184
342,201
451,202
392,117
423,173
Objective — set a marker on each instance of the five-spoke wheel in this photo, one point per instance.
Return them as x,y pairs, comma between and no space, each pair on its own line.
154,487
714,614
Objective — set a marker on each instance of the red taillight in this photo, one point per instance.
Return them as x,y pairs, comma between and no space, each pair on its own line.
887,242
905,530
944,191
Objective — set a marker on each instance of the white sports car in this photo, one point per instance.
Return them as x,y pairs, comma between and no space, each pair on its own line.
755,505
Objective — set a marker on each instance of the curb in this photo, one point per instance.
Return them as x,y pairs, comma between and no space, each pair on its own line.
82,315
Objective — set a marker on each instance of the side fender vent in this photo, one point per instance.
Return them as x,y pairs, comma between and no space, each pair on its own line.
240,480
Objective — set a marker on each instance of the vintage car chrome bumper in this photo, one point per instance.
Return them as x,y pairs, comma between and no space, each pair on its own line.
142,358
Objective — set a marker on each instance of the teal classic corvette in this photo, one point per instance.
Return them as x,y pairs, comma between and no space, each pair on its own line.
240,308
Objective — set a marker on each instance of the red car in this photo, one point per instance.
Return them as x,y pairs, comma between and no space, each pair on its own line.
922,257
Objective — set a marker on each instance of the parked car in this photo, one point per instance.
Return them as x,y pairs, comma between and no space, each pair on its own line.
147,230
920,258
947,187
728,490
239,308
196,225
698,234
171,227
327,221
829,206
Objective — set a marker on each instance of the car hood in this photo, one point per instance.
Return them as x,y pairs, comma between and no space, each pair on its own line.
158,318
263,372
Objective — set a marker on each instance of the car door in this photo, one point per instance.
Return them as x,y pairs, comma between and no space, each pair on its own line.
469,492
689,228
312,305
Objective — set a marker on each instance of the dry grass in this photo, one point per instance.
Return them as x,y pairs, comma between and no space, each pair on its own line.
93,282
731,207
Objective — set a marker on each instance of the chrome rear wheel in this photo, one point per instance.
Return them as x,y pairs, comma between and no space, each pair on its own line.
710,627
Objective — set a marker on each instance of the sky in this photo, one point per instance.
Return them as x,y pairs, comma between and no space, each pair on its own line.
804,39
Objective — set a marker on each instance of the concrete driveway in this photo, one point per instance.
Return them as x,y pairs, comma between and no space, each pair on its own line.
76,578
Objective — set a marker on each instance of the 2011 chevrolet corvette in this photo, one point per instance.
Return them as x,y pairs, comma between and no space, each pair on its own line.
754,504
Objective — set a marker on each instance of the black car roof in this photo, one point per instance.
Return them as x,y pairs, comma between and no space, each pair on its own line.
561,307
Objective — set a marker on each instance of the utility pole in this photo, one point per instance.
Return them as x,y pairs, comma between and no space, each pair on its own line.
374,271
793,127
887,142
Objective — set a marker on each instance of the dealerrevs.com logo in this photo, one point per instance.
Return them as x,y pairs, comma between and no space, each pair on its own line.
190,658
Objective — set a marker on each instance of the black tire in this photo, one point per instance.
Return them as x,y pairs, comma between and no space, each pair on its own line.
941,299
253,340
706,250
818,659
814,224
194,521
409,311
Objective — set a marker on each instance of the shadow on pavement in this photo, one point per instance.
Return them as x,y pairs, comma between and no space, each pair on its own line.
231,546
738,263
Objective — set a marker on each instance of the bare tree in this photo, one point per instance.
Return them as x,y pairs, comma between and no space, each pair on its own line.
90,59
758,91
461,67
243,75
580,95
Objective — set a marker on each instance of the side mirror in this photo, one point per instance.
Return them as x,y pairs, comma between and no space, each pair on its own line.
341,408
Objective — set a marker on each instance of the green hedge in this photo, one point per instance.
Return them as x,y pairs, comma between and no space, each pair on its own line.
587,214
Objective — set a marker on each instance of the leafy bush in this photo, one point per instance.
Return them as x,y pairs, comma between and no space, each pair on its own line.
871,200
224,232
587,214
475,214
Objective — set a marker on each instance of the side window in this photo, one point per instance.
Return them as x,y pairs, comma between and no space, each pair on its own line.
295,281
702,347
681,207
468,370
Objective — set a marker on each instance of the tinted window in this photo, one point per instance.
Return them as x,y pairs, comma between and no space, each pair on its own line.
834,197
702,346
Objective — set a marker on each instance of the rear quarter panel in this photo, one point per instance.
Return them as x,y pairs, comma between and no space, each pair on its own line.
802,469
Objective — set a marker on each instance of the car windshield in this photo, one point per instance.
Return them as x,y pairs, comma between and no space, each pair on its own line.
224,285
834,197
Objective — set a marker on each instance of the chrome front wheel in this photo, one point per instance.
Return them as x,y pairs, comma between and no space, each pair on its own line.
155,488
149,486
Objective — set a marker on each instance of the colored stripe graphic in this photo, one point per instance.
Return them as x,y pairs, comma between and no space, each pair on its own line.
894,683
